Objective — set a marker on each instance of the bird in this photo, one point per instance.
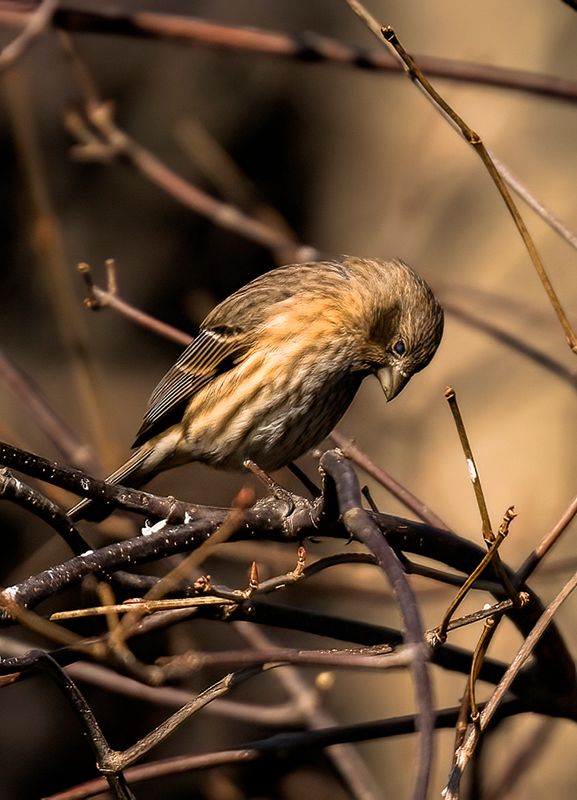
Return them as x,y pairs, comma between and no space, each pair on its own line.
275,365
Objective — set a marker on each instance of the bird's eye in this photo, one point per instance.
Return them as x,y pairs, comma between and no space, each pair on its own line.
399,348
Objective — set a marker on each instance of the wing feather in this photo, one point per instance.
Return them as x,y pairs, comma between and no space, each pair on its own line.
219,346
210,354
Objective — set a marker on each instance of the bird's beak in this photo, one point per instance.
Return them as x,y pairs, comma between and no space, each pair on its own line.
392,380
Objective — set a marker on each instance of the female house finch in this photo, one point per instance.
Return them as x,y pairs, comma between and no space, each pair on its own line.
275,366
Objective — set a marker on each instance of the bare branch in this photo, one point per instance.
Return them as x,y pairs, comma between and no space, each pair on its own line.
38,21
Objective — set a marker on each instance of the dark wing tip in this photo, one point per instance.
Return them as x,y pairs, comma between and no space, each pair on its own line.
212,353
153,425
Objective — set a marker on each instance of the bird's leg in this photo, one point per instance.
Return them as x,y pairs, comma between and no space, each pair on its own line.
276,489
309,485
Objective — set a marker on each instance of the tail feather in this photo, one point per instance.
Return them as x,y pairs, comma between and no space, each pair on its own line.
133,474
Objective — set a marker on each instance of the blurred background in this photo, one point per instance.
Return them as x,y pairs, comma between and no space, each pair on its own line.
354,162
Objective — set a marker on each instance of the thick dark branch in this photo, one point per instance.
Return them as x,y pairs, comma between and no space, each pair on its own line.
271,519
281,745
34,501
78,482
365,529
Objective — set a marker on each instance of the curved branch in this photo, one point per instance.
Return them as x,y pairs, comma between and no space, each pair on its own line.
360,525
274,519
25,496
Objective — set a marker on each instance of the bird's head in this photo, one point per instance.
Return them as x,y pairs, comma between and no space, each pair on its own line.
401,325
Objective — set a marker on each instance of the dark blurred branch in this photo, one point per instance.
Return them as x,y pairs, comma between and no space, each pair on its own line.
310,48
109,141
46,240
478,321
18,492
37,405
280,745
38,20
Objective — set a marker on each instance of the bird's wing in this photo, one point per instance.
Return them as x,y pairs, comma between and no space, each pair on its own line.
212,352
220,345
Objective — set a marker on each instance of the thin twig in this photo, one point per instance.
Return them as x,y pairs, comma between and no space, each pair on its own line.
49,421
358,457
107,141
488,534
524,652
441,631
38,21
545,545
117,760
451,398
100,298
364,658
533,202
474,140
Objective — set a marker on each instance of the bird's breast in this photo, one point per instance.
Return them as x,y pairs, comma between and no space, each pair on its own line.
270,408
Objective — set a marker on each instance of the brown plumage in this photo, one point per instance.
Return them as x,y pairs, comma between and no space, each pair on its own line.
275,366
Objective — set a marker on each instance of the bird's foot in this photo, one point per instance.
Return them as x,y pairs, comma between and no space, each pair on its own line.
278,491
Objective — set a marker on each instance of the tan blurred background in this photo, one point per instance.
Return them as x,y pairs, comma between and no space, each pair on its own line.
356,162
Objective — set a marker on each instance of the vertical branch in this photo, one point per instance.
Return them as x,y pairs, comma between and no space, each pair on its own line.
472,740
362,527
48,245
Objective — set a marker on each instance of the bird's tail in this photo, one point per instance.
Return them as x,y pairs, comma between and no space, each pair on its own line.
133,473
